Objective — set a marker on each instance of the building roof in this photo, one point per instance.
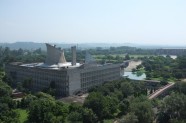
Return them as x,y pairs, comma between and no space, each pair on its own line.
54,66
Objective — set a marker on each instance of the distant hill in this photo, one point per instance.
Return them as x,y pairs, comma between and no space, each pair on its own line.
23,45
33,45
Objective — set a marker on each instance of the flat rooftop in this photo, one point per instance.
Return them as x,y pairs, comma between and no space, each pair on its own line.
58,66
45,66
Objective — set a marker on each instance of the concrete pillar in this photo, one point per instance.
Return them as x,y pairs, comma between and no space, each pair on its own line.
73,49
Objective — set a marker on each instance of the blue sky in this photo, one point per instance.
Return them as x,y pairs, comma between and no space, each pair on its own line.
94,21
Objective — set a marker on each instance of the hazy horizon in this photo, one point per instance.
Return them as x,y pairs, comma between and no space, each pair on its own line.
137,22
117,43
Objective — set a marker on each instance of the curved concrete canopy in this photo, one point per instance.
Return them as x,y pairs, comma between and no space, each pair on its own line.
54,55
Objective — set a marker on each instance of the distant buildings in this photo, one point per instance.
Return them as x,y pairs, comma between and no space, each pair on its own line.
69,77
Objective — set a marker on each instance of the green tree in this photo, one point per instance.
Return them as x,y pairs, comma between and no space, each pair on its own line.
40,110
60,111
142,108
98,104
42,95
7,114
129,118
8,80
124,106
182,62
47,111
139,66
75,113
164,82
173,107
5,90
89,116
127,89
127,57
25,102
180,87
75,117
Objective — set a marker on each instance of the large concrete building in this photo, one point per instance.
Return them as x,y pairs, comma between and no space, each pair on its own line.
69,77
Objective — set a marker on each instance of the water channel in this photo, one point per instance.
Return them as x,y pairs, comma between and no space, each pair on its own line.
135,76
131,75
172,56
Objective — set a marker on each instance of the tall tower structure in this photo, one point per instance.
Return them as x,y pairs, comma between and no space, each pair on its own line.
73,49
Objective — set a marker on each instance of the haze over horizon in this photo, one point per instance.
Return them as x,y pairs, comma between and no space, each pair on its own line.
106,21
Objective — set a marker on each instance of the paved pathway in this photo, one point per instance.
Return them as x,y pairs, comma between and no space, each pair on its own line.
160,91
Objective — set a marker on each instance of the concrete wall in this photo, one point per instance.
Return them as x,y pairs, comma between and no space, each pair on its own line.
74,81
95,76
41,78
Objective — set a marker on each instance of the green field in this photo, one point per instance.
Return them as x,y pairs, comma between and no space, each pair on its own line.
23,115
139,56
121,55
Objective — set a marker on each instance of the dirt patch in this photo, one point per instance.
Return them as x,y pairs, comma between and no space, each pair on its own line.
183,80
75,99
132,64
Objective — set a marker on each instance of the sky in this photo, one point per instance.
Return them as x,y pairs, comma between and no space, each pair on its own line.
160,22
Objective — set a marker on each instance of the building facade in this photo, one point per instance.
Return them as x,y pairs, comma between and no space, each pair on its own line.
69,78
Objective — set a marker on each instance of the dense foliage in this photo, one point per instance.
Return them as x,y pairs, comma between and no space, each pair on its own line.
164,68
118,98
7,105
20,55
44,110
172,108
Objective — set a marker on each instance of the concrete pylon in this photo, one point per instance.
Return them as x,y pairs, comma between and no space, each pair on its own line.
54,55
89,59
73,49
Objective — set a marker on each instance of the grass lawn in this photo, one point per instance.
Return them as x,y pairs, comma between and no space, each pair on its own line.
23,115
131,55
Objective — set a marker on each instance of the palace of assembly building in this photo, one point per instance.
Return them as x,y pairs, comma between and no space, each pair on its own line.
69,77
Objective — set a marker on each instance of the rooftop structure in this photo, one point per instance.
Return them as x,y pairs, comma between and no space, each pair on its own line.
54,55
69,77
